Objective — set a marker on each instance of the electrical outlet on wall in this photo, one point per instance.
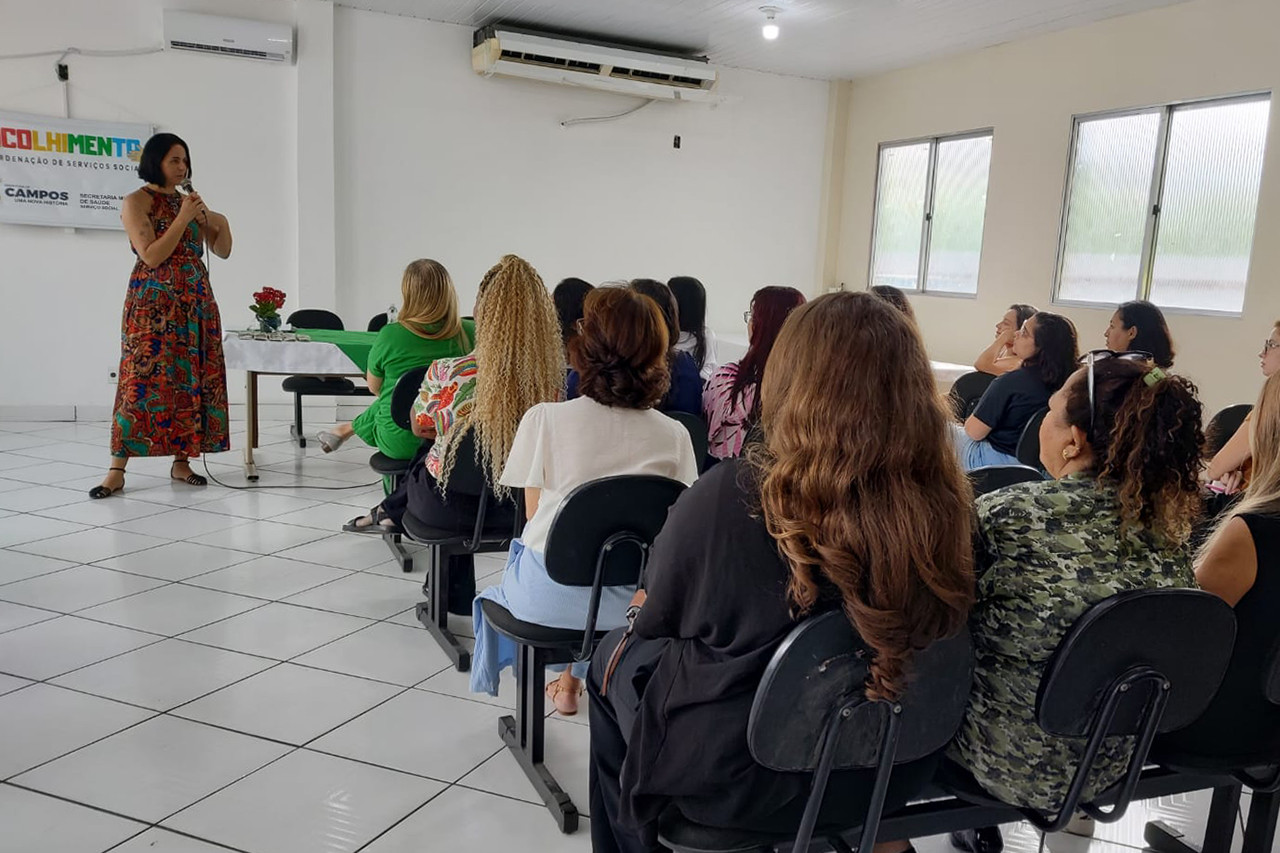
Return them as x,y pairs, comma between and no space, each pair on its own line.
112,376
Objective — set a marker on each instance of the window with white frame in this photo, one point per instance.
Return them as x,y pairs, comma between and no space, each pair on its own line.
1160,205
931,200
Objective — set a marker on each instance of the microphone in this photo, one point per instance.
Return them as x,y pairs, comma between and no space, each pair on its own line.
185,188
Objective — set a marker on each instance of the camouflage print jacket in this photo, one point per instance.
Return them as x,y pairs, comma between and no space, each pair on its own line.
1046,552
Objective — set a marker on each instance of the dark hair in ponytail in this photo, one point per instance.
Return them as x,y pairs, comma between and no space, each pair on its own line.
1153,331
1147,440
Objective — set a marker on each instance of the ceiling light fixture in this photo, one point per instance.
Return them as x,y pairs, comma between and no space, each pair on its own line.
770,29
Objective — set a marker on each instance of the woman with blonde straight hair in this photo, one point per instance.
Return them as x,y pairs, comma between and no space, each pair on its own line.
517,363
1238,563
427,328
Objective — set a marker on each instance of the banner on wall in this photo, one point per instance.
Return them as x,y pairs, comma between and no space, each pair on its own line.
66,172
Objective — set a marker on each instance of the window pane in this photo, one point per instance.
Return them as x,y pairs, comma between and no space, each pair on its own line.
900,191
1212,174
1108,208
959,206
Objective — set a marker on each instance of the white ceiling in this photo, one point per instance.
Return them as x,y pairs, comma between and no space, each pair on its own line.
826,39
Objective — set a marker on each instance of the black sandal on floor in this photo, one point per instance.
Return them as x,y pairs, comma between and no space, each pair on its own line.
192,479
376,515
100,492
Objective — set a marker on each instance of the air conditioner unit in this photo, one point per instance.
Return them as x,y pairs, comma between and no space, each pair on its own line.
228,36
659,76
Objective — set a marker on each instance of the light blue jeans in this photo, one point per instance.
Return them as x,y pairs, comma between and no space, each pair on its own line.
978,454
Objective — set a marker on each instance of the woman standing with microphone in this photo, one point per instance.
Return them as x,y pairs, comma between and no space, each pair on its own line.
171,399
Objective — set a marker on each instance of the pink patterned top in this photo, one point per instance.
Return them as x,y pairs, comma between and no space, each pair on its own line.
448,394
726,418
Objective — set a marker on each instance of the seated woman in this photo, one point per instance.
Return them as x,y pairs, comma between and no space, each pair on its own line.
695,338
427,328
730,401
568,297
1116,516
998,358
684,394
1046,345
1230,466
894,297
516,364
621,355
1236,564
1140,326
843,472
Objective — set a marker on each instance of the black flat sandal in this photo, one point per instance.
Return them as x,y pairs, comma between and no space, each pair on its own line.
192,479
375,526
100,492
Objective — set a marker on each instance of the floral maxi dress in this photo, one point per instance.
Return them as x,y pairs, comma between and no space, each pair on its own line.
172,392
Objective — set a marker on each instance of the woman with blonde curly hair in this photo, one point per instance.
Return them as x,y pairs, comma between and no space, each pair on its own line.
517,363
854,500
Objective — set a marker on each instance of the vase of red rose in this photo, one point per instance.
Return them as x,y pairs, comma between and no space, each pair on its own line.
266,307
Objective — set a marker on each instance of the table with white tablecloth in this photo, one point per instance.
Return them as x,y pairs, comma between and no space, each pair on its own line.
289,358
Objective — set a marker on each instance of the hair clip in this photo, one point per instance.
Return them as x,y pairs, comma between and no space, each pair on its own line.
1152,376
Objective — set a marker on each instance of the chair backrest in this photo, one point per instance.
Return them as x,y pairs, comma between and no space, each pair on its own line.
820,667
1223,425
1271,675
967,390
1138,630
634,505
403,395
697,428
989,478
1028,451
315,318
377,321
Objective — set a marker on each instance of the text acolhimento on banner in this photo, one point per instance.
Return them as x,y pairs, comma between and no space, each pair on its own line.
67,172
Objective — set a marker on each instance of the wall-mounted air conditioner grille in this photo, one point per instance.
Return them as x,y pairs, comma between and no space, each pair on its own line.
532,56
229,51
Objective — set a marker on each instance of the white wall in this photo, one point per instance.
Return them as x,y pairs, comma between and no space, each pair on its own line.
435,161
63,291
1029,91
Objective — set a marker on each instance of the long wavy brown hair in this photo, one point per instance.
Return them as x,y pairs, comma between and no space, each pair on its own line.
859,482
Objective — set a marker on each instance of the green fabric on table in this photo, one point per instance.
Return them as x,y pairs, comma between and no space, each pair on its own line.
354,345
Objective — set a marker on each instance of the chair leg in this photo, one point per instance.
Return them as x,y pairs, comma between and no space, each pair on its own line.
1219,829
525,736
434,612
1260,830
296,429
403,557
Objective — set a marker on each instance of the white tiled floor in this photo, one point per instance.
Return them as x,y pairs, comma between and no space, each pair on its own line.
239,675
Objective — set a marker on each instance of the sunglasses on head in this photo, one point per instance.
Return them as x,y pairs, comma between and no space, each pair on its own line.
1092,357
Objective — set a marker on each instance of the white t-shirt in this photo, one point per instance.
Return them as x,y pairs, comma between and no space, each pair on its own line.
560,446
688,343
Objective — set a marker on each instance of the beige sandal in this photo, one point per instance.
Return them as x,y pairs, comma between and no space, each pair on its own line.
568,706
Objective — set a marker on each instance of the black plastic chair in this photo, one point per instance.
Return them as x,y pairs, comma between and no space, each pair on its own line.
1260,772
1223,425
491,531
316,386
1128,667
811,715
697,428
402,397
600,537
989,478
377,321
1028,451
966,391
